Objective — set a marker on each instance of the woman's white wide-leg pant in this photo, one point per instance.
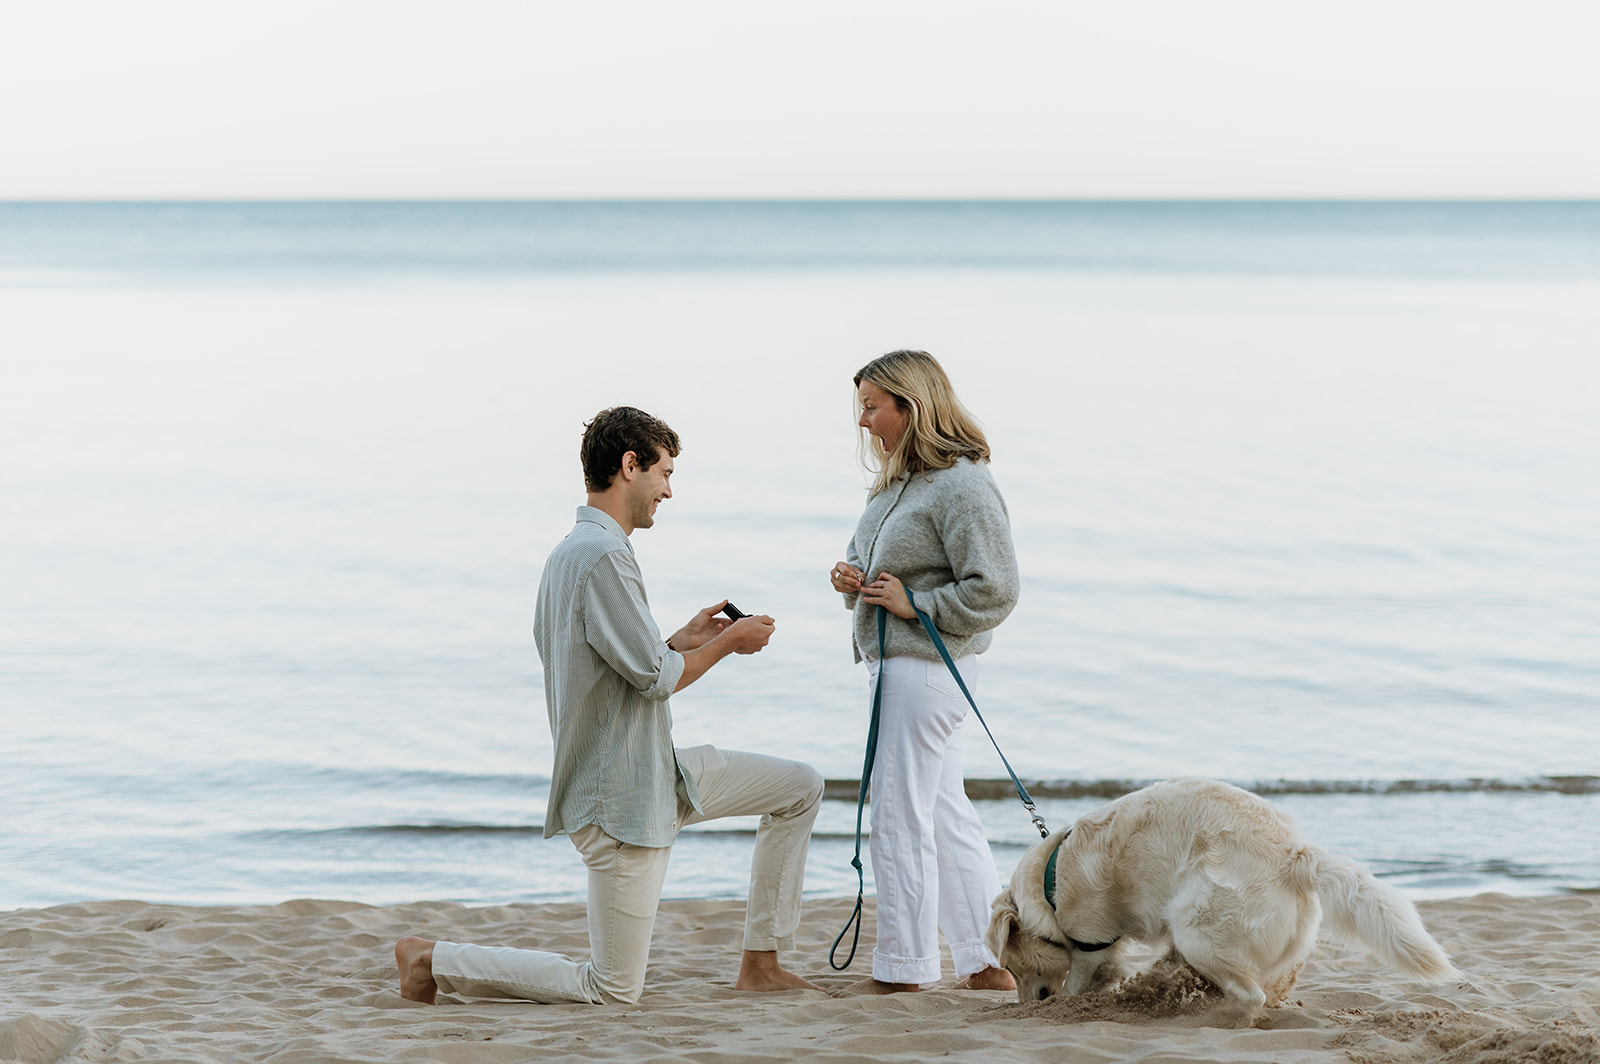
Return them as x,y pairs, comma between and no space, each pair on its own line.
931,863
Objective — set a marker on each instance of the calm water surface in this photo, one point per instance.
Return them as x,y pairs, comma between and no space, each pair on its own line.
1302,492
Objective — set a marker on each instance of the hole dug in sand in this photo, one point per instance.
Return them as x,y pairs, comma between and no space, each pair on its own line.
1166,991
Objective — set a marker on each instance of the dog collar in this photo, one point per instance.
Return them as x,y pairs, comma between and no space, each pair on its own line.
1050,898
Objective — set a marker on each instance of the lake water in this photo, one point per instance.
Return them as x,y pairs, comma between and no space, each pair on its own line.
1307,496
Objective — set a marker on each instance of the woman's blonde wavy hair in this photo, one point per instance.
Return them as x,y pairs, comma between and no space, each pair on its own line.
939,430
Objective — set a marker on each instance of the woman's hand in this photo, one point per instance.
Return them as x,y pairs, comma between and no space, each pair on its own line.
846,578
887,591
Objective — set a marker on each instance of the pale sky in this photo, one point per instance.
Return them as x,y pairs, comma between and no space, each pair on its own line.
740,98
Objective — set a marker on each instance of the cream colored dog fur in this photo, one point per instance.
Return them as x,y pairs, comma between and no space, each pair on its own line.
1218,873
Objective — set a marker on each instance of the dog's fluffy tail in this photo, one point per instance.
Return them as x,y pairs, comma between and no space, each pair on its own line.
1356,908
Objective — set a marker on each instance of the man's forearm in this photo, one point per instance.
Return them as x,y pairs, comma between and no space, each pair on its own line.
697,662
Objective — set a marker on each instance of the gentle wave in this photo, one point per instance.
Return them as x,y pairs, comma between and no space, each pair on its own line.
406,829
998,789
735,828
844,788
995,794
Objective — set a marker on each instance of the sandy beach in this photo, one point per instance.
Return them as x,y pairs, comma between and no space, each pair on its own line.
315,981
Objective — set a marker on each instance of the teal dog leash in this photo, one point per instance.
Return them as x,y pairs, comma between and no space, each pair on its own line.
871,756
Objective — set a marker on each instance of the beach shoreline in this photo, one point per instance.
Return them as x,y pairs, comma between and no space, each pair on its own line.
314,980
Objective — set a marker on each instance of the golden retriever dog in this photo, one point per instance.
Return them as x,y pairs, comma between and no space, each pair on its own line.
1215,872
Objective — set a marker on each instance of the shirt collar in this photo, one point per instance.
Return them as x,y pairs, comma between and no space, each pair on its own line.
595,516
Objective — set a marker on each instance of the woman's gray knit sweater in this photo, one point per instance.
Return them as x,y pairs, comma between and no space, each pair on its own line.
947,536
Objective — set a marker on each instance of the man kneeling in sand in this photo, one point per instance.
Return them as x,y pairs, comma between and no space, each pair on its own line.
617,787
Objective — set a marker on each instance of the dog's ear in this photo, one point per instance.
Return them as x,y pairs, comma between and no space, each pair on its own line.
1005,923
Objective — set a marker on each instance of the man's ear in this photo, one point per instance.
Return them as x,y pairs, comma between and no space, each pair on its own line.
630,465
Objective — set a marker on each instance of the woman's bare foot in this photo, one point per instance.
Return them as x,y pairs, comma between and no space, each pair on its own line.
988,979
875,986
414,957
760,971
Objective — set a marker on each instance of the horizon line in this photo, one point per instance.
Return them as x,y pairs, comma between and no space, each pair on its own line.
839,200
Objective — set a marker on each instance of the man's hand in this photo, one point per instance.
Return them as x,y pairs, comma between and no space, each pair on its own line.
701,629
748,635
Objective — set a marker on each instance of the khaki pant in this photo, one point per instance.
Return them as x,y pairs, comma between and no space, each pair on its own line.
625,888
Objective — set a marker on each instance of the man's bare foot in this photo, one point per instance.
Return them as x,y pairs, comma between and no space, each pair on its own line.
760,971
988,979
875,986
414,956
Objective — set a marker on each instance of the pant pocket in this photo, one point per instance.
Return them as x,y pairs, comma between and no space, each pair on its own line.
939,677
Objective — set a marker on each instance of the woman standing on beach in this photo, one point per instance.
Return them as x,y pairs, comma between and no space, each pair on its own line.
935,523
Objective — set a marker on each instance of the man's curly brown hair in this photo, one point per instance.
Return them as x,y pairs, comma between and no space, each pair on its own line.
614,432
